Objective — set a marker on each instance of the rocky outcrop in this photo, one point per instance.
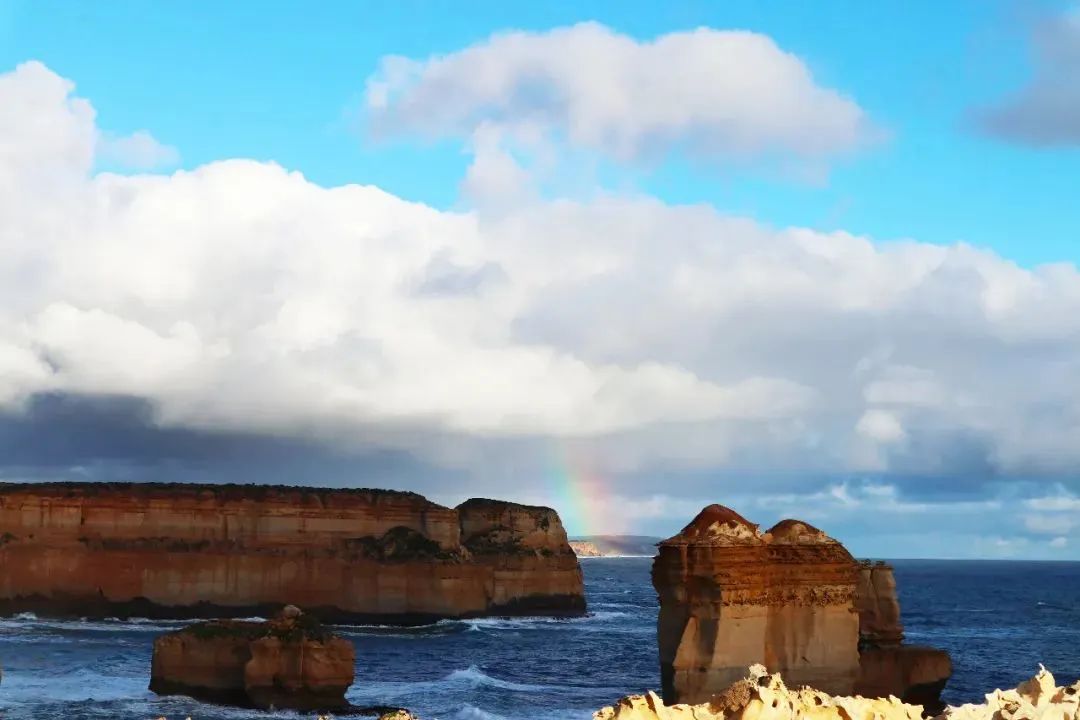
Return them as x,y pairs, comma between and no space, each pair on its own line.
585,548
732,596
913,673
158,550
615,545
290,662
763,697
791,598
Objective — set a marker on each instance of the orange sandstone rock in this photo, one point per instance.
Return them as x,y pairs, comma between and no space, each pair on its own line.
792,599
913,673
159,550
731,596
290,662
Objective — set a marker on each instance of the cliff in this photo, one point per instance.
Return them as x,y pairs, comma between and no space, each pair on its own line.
615,545
763,697
731,596
585,548
913,673
791,598
159,550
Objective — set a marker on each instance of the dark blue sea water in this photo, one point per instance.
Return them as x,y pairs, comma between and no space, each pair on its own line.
999,620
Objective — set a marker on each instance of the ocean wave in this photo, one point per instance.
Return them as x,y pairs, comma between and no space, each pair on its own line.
475,677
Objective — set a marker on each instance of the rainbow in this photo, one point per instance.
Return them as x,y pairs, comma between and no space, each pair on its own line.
582,494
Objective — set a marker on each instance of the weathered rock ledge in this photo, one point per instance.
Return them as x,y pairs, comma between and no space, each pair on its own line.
761,696
193,551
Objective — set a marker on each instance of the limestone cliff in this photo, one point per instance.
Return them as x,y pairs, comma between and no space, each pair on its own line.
290,662
791,598
763,697
236,550
732,596
913,673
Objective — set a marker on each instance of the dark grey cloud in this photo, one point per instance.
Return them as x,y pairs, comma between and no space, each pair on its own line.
116,438
1046,112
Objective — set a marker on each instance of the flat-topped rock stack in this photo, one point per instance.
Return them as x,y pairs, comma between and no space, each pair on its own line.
156,550
789,598
290,662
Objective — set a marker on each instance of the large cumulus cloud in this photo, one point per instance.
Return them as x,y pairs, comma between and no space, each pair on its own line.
240,299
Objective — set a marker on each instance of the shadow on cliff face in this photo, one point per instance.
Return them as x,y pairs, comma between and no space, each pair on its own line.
117,438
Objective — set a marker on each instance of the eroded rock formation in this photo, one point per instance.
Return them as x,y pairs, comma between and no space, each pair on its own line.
239,550
731,596
915,674
290,662
763,697
791,598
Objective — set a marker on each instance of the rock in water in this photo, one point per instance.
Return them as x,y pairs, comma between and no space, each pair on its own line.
731,596
290,662
763,697
913,673
792,599
155,550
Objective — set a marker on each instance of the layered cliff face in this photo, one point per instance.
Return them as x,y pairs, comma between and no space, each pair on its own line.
731,596
212,550
763,697
791,598
913,673
290,662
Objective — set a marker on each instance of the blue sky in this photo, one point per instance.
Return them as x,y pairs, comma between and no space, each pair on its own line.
824,266
284,82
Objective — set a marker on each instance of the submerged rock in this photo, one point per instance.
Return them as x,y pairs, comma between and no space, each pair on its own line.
290,662
761,696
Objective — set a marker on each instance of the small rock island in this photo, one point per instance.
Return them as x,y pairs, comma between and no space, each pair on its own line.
290,662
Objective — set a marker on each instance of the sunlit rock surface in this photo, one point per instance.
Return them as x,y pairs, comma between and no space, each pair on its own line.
732,596
761,696
792,599
158,550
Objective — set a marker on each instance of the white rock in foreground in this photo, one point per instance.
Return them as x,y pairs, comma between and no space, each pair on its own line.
761,696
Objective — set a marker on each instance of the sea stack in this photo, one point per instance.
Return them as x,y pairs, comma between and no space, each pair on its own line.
290,662
913,673
180,551
789,598
731,596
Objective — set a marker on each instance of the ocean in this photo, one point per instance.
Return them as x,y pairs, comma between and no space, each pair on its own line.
998,619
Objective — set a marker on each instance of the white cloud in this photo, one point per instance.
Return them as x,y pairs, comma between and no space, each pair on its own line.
1059,542
239,295
1051,524
137,151
1061,501
718,94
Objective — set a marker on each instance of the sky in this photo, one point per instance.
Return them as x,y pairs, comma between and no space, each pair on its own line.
621,258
